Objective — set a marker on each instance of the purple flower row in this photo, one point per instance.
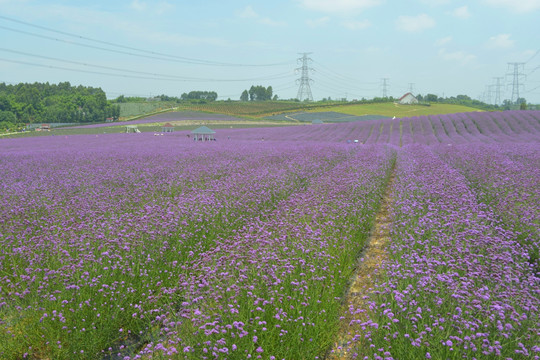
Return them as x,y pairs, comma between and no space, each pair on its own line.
457,284
117,242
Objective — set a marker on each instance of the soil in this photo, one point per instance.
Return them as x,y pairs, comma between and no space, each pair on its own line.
349,340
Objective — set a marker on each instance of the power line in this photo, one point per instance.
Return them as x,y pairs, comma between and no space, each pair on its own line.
162,56
342,84
346,78
532,57
533,70
269,77
135,76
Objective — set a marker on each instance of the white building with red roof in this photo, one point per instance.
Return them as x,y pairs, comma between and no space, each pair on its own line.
408,99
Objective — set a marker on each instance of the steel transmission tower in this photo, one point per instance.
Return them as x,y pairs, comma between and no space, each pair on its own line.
385,87
516,76
498,86
304,91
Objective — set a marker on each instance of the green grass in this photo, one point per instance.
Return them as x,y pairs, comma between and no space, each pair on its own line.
128,110
391,109
260,109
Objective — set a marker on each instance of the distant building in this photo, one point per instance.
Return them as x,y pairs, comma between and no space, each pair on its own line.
44,127
167,128
408,99
203,133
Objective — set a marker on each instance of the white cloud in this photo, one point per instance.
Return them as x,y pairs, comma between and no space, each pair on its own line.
415,23
457,56
268,21
339,6
462,12
356,25
443,41
163,8
501,41
156,8
519,6
249,13
318,22
435,2
138,5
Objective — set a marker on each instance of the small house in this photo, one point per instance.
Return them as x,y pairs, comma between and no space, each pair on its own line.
408,99
203,133
167,128
43,127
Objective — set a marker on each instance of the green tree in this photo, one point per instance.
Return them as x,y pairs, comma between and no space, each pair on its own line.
431,98
244,96
7,116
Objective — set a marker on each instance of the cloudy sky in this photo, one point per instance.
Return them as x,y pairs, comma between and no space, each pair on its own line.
145,48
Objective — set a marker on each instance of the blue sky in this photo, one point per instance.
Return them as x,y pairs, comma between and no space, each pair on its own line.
445,47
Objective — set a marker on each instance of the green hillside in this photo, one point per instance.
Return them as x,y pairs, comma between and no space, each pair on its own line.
260,109
391,109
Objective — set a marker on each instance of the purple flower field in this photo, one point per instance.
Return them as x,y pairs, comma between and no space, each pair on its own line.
131,246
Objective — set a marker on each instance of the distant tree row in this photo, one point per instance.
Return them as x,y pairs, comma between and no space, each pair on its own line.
192,96
200,95
53,103
466,100
258,93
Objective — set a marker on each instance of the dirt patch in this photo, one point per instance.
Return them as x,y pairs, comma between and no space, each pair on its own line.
355,307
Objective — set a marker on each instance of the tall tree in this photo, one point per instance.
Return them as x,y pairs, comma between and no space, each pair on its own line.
244,96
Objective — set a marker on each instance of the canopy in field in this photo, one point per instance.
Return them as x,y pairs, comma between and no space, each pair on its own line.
203,133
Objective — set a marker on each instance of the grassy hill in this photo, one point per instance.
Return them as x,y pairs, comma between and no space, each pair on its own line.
400,111
268,108
234,108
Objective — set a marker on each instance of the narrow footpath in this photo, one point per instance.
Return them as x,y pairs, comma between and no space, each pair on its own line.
349,340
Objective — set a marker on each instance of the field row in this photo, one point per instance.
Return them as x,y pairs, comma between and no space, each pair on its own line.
434,129
461,281
138,250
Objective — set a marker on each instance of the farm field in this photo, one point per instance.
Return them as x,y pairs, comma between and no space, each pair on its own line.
259,109
397,110
132,246
129,110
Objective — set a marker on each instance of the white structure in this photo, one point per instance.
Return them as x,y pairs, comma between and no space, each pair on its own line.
203,133
408,99
132,129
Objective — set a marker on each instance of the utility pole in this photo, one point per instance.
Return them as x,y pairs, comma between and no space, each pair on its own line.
385,87
517,75
489,91
304,91
498,86
411,85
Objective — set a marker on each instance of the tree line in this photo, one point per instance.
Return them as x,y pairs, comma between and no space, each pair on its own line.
258,93
24,103
192,96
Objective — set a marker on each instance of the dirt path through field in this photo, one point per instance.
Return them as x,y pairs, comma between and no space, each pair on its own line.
349,339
